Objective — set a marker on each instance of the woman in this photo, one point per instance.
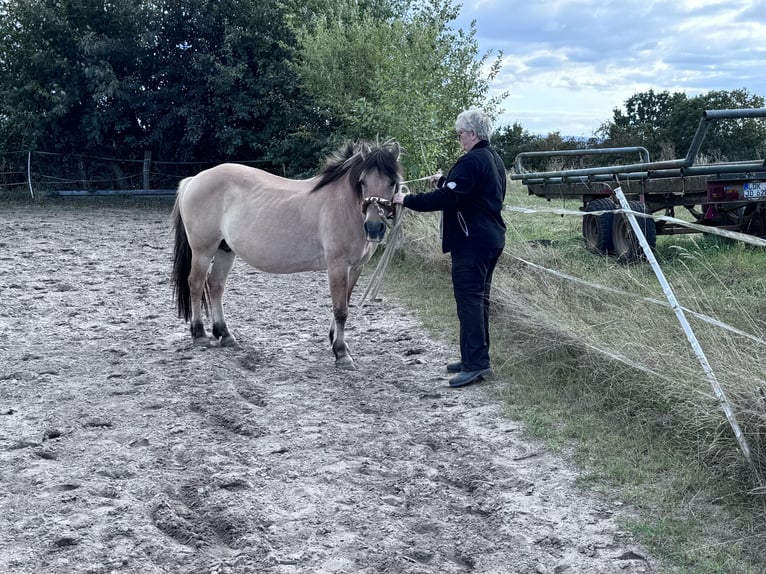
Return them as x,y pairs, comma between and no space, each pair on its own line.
473,232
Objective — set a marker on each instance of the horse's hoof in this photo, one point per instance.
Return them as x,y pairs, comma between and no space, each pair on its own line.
201,341
345,363
229,341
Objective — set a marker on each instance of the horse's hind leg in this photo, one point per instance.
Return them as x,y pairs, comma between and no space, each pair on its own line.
197,279
222,264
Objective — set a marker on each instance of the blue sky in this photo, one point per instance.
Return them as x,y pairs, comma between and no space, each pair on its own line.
567,64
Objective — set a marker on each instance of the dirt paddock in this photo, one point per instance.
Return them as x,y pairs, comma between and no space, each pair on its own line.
123,448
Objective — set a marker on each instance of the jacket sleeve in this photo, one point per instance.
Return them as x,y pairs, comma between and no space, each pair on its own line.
437,200
451,193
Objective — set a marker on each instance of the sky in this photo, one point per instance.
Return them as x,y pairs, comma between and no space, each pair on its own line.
567,64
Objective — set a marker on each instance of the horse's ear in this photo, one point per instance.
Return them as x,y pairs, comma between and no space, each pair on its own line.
397,150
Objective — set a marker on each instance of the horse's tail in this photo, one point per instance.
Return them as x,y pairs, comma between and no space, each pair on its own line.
182,256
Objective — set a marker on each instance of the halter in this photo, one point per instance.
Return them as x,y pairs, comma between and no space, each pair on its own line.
386,208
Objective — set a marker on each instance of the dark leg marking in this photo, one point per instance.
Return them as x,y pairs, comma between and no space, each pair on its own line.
221,332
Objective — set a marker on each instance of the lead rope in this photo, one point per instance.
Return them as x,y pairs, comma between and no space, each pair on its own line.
426,178
376,279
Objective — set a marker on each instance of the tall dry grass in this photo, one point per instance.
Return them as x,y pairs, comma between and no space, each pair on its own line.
563,313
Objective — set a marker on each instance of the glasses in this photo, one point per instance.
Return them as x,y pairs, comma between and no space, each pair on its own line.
460,133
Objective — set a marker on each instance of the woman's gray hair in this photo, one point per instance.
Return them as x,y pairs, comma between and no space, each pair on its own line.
475,120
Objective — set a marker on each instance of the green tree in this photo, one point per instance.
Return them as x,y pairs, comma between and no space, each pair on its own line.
212,81
665,124
186,79
61,66
509,141
395,70
218,80
726,140
646,122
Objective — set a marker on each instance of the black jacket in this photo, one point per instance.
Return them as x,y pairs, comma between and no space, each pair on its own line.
471,197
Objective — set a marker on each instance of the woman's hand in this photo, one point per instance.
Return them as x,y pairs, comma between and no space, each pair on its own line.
398,198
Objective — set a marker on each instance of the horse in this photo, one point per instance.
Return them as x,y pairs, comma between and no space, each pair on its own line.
333,221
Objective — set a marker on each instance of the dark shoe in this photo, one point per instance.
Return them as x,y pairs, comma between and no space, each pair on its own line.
455,367
468,377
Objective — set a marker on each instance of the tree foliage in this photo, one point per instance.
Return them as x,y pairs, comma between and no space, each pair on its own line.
61,70
395,69
186,79
284,80
665,124
509,141
279,80
218,79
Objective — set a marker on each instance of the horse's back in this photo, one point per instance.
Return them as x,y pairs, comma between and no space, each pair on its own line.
258,214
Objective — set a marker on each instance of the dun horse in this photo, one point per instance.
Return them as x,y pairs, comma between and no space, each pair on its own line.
333,221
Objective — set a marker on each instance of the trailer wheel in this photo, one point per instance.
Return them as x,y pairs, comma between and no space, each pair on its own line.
754,220
626,245
597,229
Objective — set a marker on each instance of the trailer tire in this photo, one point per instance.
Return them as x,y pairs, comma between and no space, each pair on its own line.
754,220
597,229
626,245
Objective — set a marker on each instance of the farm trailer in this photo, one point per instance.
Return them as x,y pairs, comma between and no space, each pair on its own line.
725,195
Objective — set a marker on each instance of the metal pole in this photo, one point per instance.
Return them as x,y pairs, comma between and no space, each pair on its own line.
146,170
646,166
691,337
29,174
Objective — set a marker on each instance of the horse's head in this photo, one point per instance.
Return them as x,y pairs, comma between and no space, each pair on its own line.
379,177
374,172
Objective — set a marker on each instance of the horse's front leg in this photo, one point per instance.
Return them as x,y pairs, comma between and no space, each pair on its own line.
339,280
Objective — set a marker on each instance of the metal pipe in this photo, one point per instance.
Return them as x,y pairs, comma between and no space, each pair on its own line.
584,180
696,144
633,167
734,114
662,173
652,167
642,151
723,168
739,167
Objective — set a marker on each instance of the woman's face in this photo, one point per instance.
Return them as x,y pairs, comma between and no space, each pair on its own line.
467,139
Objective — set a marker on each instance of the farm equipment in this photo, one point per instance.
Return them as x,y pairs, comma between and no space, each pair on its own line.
726,195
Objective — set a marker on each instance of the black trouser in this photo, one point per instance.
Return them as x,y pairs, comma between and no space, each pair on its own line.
471,280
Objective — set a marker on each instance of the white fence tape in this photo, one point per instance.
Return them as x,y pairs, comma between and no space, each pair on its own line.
672,302
751,239
702,317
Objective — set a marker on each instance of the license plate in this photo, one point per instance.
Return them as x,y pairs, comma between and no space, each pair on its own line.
754,190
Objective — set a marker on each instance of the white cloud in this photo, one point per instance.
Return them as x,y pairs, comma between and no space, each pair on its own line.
568,63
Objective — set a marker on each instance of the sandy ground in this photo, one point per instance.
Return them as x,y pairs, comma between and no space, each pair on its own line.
123,448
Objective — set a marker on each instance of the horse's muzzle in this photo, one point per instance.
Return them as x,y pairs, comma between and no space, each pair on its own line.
375,231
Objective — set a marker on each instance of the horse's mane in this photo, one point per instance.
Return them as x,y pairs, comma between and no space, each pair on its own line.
356,158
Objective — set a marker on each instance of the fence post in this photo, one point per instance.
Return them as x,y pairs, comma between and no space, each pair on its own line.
147,164
29,174
723,401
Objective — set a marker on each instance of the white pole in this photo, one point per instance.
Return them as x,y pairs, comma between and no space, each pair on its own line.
719,392
29,174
